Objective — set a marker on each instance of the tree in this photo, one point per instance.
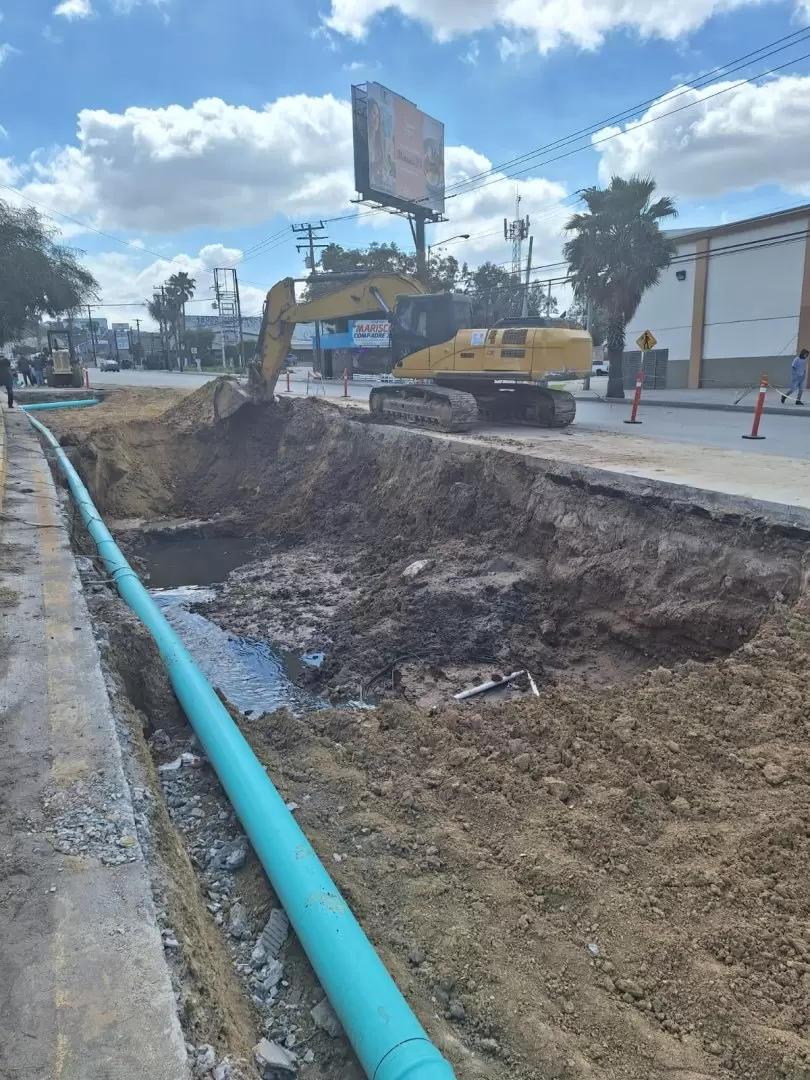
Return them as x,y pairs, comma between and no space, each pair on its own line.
496,294
442,270
37,275
578,312
179,290
159,310
617,252
202,340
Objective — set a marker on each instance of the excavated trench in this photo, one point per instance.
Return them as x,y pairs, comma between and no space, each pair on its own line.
416,565
610,880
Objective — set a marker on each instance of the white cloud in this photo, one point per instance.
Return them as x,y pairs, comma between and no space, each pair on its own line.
165,170
481,212
127,278
548,23
472,55
74,9
7,51
749,136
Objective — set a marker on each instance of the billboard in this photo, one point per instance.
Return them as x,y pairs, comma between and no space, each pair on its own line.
398,151
121,331
251,324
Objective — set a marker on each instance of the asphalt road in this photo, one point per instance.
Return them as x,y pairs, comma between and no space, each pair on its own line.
786,436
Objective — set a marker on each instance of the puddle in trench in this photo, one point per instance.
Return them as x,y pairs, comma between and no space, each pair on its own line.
192,558
250,673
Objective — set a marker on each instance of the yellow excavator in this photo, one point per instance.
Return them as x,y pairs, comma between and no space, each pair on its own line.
451,372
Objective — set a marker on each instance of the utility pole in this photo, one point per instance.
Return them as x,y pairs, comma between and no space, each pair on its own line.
92,335
313,241
525,311
548,301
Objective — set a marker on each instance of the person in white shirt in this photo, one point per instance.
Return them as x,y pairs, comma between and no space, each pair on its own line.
798,369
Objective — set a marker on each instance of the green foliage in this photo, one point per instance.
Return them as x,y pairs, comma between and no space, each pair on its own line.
496,292
443,270
37,275
578,312
202,340
497,295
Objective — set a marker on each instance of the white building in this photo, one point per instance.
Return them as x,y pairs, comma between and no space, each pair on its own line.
734,305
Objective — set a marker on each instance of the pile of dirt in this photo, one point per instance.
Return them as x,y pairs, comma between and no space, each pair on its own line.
609,883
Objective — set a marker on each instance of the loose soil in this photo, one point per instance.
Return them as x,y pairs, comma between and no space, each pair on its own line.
609,880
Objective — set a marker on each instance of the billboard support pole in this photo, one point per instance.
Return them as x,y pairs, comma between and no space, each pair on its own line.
418,229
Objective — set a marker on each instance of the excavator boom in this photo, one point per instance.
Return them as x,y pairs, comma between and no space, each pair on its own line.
376,292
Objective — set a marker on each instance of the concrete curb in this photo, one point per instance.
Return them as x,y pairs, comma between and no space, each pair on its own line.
711,406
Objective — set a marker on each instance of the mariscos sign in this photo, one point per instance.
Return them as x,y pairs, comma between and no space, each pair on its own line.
371,333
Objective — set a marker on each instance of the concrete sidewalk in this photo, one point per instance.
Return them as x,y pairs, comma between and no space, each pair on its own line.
85,992
741,401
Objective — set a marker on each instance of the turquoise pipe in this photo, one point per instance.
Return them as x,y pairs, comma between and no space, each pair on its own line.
387,1038
60,404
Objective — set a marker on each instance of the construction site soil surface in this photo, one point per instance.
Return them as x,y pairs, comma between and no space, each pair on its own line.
607,880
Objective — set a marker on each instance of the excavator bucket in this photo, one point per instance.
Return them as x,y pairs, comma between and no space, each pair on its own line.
212,403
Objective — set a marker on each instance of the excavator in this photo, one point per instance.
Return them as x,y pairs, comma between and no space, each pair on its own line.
449,373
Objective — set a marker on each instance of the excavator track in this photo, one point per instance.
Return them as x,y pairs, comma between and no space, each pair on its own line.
430,406
529,405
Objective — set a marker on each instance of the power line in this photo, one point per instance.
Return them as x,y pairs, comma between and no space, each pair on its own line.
772,48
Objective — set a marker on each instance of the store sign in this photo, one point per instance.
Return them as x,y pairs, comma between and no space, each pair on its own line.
371,334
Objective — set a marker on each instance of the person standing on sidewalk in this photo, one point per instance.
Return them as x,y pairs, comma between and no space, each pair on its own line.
7,379
798,370
24,368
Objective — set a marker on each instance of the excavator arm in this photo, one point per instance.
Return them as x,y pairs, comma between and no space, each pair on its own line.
377,292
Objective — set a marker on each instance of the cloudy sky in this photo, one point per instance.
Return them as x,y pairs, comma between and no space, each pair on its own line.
187,134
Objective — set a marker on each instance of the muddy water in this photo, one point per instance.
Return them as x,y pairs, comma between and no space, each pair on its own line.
253,675
192,558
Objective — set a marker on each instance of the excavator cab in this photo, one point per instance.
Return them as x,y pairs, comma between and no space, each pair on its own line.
430,319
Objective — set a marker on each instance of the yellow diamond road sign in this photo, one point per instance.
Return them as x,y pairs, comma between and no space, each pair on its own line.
646,341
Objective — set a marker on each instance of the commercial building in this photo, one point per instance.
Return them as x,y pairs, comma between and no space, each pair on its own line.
361,346
734,305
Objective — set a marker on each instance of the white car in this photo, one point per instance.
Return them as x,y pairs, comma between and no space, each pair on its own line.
600,367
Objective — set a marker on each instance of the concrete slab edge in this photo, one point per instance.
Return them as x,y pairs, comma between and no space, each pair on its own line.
783,518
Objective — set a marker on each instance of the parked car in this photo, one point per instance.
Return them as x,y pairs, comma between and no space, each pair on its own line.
600,367
110,365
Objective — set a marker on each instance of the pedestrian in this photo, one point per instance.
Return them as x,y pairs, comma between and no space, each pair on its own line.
24,368
798,370
39,368
7,379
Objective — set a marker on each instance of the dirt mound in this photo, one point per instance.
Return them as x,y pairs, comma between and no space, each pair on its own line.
212,403
603,883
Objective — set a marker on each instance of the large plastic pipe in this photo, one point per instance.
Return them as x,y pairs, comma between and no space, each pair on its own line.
388,1039
60,404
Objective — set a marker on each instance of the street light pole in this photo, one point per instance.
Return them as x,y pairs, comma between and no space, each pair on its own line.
450,239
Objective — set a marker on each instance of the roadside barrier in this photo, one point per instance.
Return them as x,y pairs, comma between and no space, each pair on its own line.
763,387
389,1041
636,398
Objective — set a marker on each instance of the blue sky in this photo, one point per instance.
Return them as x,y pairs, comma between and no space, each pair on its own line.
197,129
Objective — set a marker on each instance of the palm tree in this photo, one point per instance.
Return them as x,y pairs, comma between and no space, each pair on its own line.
617,253
180,289
158,307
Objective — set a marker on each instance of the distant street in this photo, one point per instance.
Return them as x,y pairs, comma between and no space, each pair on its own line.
785,436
